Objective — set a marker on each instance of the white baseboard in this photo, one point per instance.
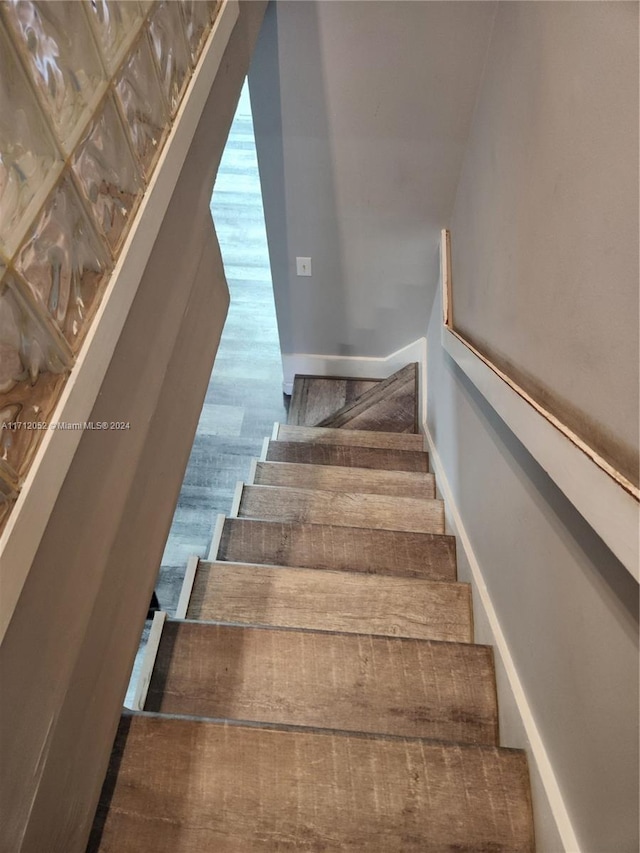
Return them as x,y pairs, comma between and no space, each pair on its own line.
358,367
552,817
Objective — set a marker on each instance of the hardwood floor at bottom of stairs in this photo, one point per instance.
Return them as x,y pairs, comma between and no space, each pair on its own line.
187,786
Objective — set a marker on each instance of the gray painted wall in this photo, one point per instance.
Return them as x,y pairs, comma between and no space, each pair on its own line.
545,228
67,654
544,238
362,112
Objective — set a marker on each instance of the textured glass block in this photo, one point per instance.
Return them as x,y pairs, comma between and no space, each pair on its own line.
32,374
171,52
198,16
108,173
26,345
116,23
62,56
65,263
143,105
29,160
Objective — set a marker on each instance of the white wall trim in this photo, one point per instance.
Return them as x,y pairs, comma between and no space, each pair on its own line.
28,520
365,367
149,660
538,753
187,587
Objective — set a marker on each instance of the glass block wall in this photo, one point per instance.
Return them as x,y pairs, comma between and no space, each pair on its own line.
88,93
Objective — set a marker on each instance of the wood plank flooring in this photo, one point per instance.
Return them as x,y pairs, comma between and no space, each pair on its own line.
332,601
261,790
334,478
349,457
350,682
390,406
350,438
316,397
350,509
322,546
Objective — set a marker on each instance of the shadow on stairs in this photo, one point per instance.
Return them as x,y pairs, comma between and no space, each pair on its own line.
322,691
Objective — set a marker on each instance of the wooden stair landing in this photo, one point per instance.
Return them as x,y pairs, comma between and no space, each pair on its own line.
259,790
389,406
332,601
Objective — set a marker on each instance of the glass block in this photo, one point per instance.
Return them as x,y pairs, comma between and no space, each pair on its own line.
116,24
171,52
108,174
63,60
32,374
143,105
29,159
65,263
198,16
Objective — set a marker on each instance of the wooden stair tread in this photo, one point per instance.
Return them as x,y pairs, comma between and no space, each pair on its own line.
332,601
383,512
317,397
190,786
390,406
353,437
351,682
334,478
322,546
345,456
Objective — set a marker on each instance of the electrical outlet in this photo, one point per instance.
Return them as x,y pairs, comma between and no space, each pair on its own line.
303,266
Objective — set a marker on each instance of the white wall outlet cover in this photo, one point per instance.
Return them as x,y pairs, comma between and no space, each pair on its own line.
303,266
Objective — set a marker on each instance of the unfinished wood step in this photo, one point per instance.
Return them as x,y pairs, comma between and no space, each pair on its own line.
333,478
351,682
279,503
390,406
323,546
352,437
193,786
332,601
349,457
317,397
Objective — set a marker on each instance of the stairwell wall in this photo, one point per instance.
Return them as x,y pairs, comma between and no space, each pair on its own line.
69,647
540,273
361,113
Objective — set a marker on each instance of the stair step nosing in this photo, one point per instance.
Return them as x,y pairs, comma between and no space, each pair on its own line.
355,634
319,730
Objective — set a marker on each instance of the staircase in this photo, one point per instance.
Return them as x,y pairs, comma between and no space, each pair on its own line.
323,691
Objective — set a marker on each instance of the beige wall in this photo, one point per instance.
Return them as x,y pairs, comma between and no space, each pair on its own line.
66,656
545,227
544,237
361,112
